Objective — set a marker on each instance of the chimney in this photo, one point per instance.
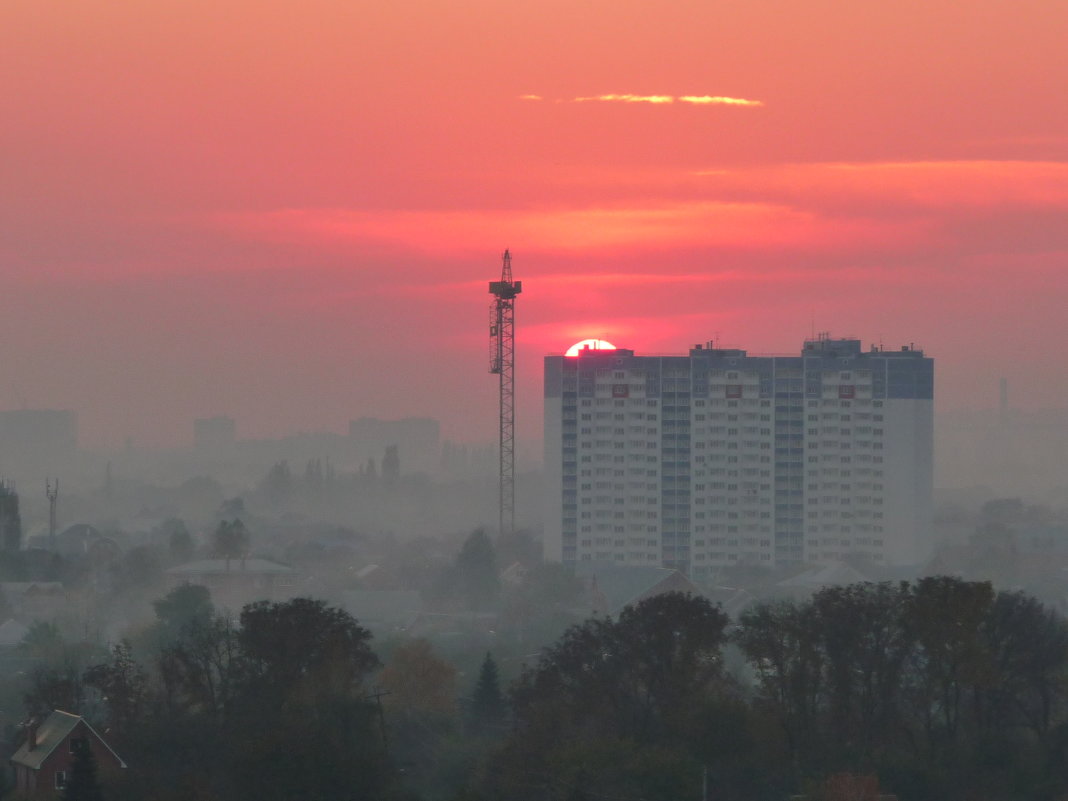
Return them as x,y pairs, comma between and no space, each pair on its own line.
31,735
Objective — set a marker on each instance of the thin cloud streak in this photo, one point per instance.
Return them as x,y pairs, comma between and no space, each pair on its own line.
658,100
718,100
628,98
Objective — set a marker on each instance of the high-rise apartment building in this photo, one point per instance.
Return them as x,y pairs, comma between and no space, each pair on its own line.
719,458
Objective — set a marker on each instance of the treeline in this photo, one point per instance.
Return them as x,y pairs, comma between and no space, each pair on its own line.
275,705
943,689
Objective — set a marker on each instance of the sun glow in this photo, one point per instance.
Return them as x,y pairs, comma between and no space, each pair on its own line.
592,344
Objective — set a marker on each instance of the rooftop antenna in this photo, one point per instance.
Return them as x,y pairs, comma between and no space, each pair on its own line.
502,362
52,493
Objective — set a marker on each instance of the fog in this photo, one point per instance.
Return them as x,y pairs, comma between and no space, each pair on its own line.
249,537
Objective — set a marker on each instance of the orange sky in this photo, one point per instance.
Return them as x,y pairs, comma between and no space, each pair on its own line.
276,210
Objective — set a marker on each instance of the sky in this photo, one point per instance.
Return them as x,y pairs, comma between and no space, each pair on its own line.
289,212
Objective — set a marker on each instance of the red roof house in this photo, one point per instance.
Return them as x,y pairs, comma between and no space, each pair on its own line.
43,762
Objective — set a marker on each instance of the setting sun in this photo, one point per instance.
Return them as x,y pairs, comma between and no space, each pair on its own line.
592,344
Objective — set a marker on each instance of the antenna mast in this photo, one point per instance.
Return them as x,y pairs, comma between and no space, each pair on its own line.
502,362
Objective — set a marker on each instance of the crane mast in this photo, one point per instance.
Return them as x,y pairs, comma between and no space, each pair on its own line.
502,362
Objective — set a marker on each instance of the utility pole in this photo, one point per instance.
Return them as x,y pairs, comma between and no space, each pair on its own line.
502,362
52,493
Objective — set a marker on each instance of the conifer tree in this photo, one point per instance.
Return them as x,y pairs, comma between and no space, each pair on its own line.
487,712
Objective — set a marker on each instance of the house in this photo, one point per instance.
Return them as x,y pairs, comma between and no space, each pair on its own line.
236,582
611,587
42,764
814,579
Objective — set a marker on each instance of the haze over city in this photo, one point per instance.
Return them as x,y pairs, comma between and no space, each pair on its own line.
289,214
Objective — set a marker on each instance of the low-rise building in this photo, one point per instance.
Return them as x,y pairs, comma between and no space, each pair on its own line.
43,762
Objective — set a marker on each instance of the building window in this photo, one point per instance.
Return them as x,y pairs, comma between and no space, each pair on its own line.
61,779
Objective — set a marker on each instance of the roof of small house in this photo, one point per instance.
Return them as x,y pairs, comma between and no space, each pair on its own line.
833,573
50,734
212,567
622,585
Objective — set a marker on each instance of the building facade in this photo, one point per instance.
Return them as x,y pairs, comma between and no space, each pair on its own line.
719,458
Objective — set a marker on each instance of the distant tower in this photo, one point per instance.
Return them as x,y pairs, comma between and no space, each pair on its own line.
10,521
52,493
502,362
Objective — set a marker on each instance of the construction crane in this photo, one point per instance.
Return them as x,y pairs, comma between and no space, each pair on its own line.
502,362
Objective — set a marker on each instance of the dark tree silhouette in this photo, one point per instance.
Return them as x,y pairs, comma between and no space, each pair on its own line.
181,607
474,574
179,541
231,540
488,709
123,685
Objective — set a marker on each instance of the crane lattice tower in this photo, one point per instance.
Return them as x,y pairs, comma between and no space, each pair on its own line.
502,362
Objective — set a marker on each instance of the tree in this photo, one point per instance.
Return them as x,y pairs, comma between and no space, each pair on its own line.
304,645
179,541
277,485
123,686
231,540
488,708
419,700
183,606
82,784
866,639
609,693
474,574
317,735
951,658
781,642
54,687
1028,650
200,668
418,683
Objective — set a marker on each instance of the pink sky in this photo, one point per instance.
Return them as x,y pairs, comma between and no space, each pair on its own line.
289,212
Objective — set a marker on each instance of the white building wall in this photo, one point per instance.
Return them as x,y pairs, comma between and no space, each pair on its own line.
909,473
865,477
552,492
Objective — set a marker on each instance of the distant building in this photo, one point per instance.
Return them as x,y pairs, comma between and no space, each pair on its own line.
236,582
611,587
718,458
214,434
43,762
10,520
417,440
